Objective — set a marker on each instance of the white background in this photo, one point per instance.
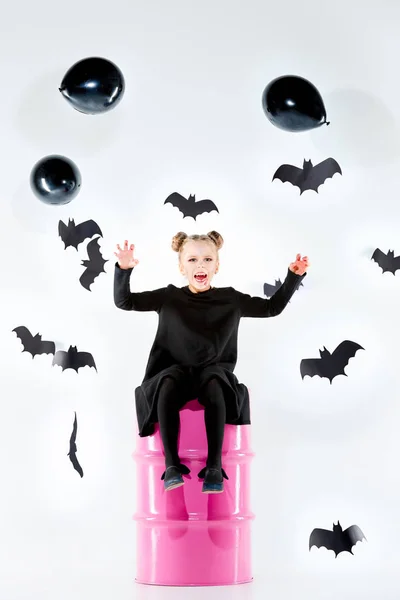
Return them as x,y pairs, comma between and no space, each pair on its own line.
191,121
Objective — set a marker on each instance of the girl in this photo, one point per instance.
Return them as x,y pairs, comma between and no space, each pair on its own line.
194,352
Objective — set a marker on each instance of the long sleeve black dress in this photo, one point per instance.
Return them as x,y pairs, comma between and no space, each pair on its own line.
196,340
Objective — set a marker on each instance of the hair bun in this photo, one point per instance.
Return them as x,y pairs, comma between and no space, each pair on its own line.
178,240
216,238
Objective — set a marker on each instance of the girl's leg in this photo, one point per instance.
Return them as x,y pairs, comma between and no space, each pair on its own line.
169,420
212,397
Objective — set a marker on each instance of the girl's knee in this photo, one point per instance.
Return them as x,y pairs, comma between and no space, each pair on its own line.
212,385
168,382
211,392
168,391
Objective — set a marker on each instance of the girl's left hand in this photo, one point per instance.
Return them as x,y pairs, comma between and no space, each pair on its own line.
300,265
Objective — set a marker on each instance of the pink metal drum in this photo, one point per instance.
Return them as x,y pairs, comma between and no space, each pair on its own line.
185,537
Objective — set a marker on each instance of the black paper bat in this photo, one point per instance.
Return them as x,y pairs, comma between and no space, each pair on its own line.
387,262
72,359
34,344
72,449
337,540
94,266
310,177
189,207
270,289
330,365
73,235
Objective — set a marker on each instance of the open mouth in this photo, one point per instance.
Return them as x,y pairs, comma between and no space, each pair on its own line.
201,278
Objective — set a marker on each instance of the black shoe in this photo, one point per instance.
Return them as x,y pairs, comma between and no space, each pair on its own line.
172,476
213,480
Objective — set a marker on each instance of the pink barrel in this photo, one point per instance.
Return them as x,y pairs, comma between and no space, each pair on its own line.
185,537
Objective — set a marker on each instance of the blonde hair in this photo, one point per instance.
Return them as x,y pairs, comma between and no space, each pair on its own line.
180,239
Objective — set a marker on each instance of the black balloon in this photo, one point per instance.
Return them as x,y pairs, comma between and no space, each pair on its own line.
93,85
55,179
294,104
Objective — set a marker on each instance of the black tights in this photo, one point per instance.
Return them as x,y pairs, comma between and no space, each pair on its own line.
211,395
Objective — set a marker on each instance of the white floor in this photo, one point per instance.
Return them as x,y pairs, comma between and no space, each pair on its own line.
101,585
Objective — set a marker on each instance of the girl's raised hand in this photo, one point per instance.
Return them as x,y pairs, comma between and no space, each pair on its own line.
125,256
300,265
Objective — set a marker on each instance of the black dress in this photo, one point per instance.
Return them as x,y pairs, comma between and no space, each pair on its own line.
196,340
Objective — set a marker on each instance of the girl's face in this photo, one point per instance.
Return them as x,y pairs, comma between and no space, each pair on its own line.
199,258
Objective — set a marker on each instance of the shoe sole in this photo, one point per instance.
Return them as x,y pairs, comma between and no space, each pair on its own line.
212,491
173,486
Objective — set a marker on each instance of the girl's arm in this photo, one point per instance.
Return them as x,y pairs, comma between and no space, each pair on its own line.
127,300
253,306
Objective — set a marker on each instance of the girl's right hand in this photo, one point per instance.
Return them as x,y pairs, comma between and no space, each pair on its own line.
125,256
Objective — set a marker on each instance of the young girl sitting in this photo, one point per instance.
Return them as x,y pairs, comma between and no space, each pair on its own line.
194,352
